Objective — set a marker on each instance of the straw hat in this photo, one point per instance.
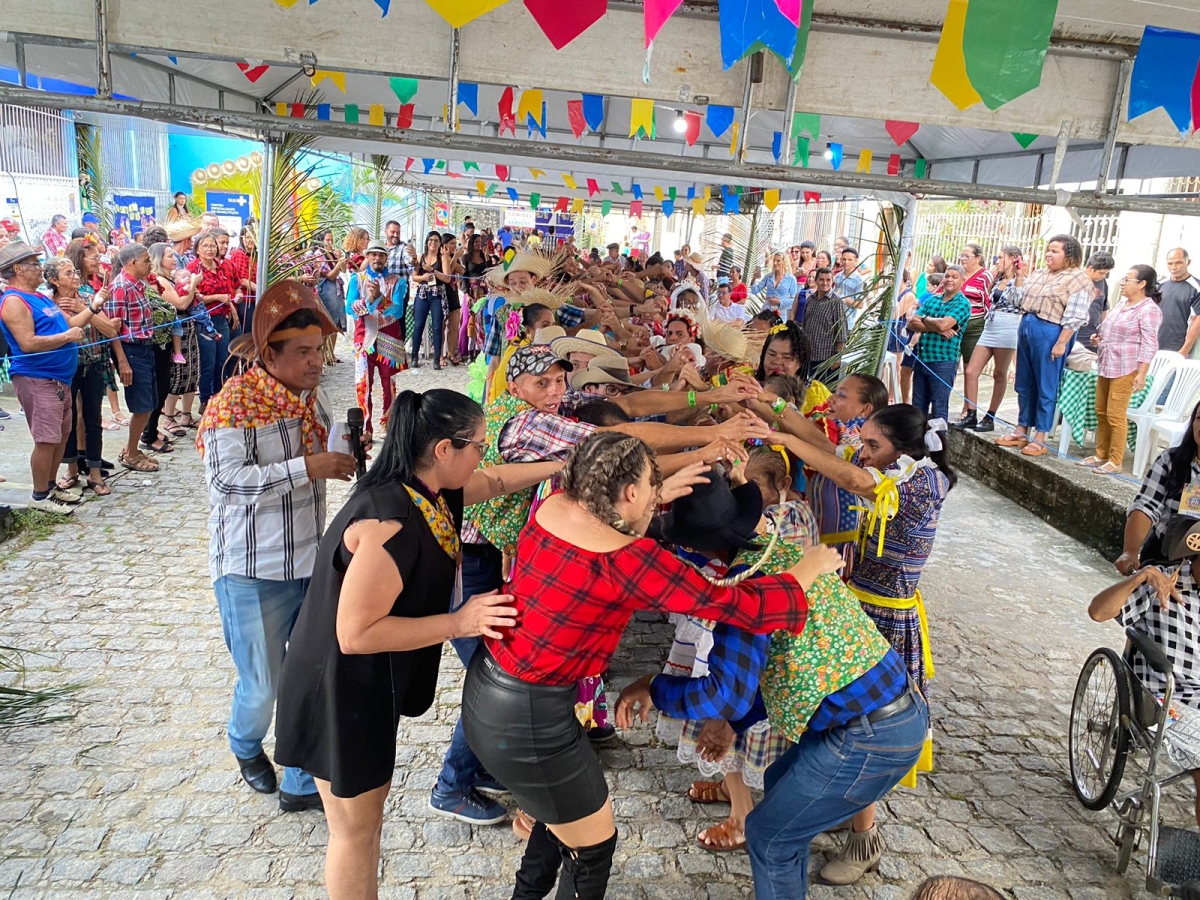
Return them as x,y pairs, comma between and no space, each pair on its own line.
549,335
552,299
181,230
536,264
597,373
586,341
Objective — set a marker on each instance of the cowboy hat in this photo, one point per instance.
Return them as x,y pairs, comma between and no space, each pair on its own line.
713,516
549,335
597,373
586,341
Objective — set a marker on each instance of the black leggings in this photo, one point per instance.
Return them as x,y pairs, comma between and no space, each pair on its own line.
162,375
87,396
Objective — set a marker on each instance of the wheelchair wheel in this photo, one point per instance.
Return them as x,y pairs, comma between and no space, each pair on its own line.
1098,742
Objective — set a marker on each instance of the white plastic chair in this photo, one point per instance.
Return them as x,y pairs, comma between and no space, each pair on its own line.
1152,421
890,375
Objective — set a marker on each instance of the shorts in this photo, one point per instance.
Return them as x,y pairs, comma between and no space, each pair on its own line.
453,303
47,407
142,394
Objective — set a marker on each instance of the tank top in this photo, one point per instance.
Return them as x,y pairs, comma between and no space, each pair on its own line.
48,320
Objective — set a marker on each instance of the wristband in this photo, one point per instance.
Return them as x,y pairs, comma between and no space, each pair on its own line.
666,387
713,408
779,406
692,399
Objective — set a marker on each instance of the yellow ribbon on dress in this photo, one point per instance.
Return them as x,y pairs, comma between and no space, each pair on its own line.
878,514
913,602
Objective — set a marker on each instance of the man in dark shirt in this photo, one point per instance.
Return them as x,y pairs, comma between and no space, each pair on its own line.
1180,305
824,322
1083,354
725,263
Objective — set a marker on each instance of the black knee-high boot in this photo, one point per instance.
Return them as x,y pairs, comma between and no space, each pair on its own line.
539,866
585,871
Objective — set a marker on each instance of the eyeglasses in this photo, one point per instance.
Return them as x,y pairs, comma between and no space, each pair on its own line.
480,445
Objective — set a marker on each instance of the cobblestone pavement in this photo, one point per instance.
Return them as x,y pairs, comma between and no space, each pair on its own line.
138,795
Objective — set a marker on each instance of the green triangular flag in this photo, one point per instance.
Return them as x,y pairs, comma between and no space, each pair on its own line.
404,88
534,200
653,125
491,189
620,191
1024,139
605,207
797,64
919,168
352,113
810,122
468,166
737,189
441,164
671,193
802,150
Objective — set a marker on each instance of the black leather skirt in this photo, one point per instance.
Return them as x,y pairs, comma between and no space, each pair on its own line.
526,735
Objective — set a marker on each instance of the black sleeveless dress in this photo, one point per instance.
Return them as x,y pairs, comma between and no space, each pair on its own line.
338,714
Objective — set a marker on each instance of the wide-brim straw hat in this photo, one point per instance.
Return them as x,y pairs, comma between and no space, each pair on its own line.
586,341
730,342
537,264
598,373
551,299
181,230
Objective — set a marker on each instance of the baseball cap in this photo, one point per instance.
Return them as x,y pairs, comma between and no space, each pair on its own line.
1181,539
722,281
536,359
91,219
10,226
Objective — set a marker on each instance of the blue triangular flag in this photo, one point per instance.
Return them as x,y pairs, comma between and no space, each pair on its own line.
691,193
1163,74
323,112
593,110
428,164
668,208
733,202
385,5
719,118
835,156
468,96
637,190
777,145
534,126
753,24
513,195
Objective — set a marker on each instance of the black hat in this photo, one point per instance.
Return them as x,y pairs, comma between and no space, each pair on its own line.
713,517
1181,540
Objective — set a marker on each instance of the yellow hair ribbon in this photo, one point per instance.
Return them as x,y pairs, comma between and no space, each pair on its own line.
878,514
779,448
778,329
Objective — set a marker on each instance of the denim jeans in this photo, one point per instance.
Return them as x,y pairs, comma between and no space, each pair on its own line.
931,386
821,781
480,574
208,361
1037,374
428,305
257,616
219,376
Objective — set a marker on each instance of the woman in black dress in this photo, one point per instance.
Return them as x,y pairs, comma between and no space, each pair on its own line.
367,643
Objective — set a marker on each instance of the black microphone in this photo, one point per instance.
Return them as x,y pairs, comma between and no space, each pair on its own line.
354,427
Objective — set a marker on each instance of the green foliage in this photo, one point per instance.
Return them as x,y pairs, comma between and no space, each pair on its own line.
94,176
21,706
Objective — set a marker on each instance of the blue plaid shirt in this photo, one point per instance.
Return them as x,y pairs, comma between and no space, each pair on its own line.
876,687
730,689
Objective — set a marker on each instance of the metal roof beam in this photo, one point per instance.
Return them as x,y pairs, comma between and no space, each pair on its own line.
769,175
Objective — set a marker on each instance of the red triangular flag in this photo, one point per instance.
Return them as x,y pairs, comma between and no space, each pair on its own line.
894,164
297,110
635,207
561,205
593,187
812,197
252,73
405,116
693,127
507,119
901,131
575,115
563,22
408,164
502,171
452,174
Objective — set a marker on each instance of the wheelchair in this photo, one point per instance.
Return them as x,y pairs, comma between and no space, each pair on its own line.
1113,715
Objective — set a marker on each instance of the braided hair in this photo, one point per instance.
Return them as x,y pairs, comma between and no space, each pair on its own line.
601,467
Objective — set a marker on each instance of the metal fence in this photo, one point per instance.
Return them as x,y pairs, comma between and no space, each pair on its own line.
37,141
1098,233
944,233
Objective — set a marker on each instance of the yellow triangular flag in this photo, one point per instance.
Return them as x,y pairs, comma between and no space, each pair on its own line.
658,193
480,187
577,205
733,142
864,161
949,73
457,14
375,114
707,194
531,105
536,173
698,206
569,181
641,116
281,109
287,4
771,199
338,78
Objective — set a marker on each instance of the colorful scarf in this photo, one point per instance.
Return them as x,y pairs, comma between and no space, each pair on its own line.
255,399
440,521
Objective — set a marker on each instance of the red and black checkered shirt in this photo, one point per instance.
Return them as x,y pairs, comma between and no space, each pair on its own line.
220,280
127,302
239,261
573,604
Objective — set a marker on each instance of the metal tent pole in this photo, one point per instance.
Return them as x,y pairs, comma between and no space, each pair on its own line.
103,62
264,214
452,103
907,242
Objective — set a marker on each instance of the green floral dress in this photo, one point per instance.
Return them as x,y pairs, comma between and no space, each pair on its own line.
501,519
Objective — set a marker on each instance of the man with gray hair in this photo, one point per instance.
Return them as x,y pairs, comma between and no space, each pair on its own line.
55,240
129,307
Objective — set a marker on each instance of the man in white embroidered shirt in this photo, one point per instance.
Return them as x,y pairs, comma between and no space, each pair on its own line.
263,438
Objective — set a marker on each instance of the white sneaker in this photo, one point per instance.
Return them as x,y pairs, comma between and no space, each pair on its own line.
70,497
51,506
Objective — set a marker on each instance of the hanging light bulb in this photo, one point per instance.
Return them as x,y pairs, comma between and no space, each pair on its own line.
828,150
680,121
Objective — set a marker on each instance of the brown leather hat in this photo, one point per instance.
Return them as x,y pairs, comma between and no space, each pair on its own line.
280,300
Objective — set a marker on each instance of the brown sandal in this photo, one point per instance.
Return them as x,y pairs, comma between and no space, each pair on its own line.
139,463
721,838
708,792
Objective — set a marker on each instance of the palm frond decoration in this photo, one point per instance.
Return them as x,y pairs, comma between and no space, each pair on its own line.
21,706
386,185
93,173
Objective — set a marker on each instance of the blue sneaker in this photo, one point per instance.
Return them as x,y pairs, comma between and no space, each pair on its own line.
489,786
5,415
470,807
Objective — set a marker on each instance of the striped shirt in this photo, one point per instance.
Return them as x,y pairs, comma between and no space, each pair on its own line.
267,516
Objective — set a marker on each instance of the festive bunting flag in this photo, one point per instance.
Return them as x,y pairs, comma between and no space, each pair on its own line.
338,78
641,117
671,193
1166,75
750,25
734,139
635,208
901,132
920,167
707,193
288,4
440,164
575,117
894,164
949,73
835,156
450,174
593,110
281,109
593,187
507,119
718,119
252,73
811,197
698,206
469,166
457,14
561,205
605,207
620,191
491,189
658,193
733,203
323,110
577,205
668,208
1024,139
384,5
428,164
692,134
404,88
569,181
480,186
655,15
536,173
408,164
512,194
297,110
563,22
502,172
375,114
350,114
637,190
531,105
404,118
806,122
803,148
691,193
468,96
864,161
534,124
534,200
796,66
777,145
771,199
1005,44
791,10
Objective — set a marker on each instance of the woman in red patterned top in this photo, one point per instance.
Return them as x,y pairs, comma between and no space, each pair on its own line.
583,567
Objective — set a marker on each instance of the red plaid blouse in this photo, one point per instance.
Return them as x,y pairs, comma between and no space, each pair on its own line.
238,261
220,280
573,605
